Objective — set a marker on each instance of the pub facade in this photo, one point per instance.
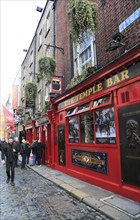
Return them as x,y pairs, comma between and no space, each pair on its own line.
96,128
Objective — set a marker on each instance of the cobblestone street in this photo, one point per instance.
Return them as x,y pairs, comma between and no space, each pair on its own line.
34,197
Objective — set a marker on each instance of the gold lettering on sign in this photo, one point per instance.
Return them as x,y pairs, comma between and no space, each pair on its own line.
89,91
99,87
124,75
116,79
111,81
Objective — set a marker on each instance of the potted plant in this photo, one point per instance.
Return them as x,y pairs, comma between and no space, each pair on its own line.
47,66
82,17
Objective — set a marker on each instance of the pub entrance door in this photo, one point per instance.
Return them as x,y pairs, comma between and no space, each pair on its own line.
129,129
61,145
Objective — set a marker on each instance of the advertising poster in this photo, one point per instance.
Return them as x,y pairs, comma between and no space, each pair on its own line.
105,126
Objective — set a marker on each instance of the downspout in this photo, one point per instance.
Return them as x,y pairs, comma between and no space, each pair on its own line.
54,33
34,55
53,114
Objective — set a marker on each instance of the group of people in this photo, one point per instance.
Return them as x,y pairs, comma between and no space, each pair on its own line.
10,151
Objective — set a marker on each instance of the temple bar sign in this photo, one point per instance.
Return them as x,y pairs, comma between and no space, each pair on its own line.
103,84
42,121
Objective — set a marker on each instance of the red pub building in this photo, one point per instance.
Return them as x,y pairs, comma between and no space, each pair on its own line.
96,128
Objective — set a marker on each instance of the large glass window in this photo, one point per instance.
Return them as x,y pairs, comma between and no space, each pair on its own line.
86,128
92,122
73,130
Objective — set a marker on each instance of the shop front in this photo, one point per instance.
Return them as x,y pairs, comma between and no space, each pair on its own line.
21,132
97,128
43,132
29,128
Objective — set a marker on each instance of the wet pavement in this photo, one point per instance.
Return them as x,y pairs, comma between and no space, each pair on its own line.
35,197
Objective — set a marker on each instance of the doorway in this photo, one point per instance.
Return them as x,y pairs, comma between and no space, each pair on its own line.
129,129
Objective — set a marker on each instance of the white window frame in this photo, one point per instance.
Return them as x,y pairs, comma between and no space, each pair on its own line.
78,51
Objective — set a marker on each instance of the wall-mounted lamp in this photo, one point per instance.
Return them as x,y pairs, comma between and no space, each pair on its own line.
25,50
59,48
39,9
116,42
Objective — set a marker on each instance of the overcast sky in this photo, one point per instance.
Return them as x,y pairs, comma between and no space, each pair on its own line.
19,20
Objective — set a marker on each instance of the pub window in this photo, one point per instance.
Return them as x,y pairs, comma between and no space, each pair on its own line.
73,130
83,107
87,128
101,101
71,111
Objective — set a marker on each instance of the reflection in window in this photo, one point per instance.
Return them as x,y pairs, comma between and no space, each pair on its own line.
100,101
83,107
86,128
73,130
71,111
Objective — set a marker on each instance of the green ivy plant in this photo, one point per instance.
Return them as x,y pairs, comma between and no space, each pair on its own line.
30,91
78,78
21,121
82,17
27,118
47,66
22,98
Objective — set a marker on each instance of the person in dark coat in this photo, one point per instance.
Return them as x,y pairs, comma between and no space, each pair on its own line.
39,152
16,145
3,143
28,151
10,152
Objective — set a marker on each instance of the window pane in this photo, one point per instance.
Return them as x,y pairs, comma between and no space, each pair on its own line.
86,43
83,107
86,128
103,100
71,111
73,130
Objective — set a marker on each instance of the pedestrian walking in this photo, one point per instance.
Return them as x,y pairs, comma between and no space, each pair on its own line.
28,151
16,145
9,151
39,152
3,143
34,151
23,152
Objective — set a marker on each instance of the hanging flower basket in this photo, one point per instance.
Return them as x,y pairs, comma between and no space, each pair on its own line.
82,17
47,66
30,91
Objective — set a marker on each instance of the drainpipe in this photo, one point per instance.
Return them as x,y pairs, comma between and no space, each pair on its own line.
34,55
34,71
54,34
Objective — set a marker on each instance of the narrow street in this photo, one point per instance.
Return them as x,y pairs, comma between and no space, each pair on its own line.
34,197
